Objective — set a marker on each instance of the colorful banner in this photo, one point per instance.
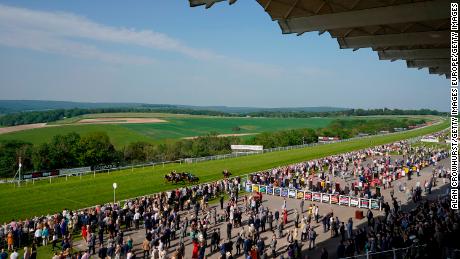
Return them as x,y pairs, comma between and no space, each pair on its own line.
284,192
292,193
364,203
334,198
354,202
316,196
248,187
344,200
325,198
299,194
375,204
270,190
308,196
263,189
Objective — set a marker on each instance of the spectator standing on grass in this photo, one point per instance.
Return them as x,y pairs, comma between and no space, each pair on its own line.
86,255
55,240
10,240
3,254
26,253
14,255
38,235
84,233
137,217
45,236
33,252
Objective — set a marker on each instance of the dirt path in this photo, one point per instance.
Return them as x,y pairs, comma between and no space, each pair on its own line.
21,127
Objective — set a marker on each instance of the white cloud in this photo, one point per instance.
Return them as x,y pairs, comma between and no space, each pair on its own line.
65,34
42,41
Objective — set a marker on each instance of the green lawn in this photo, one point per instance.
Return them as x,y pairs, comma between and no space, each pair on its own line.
43,197
189,127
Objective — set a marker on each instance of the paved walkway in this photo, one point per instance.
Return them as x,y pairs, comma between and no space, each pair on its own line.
275,203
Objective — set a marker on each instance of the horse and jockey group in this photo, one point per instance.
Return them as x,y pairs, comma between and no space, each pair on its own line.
175,177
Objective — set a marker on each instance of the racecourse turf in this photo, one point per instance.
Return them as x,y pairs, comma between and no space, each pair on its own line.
43,197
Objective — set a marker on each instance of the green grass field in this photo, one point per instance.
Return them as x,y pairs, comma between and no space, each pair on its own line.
176,127
44,197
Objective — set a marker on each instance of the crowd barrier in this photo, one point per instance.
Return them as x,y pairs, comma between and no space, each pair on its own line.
335,199
414,251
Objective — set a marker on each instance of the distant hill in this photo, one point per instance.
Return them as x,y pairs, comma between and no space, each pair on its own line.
12,106
9,106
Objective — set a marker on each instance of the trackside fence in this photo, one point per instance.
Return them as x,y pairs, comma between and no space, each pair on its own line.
411,252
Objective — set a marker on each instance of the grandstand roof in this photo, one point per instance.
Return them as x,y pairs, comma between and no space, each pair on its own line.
416,31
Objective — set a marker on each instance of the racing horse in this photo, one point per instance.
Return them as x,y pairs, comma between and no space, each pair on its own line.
192,178
183,177
174,177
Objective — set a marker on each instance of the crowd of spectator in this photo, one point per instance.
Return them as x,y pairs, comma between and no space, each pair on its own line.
373,167
183,216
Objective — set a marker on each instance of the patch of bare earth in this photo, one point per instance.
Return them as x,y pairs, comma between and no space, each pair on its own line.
119,120
226,135
21,127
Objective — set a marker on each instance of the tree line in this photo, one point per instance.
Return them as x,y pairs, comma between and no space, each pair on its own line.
22,118
93,149
348,112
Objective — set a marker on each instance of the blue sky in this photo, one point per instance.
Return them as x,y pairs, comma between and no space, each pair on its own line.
167,52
